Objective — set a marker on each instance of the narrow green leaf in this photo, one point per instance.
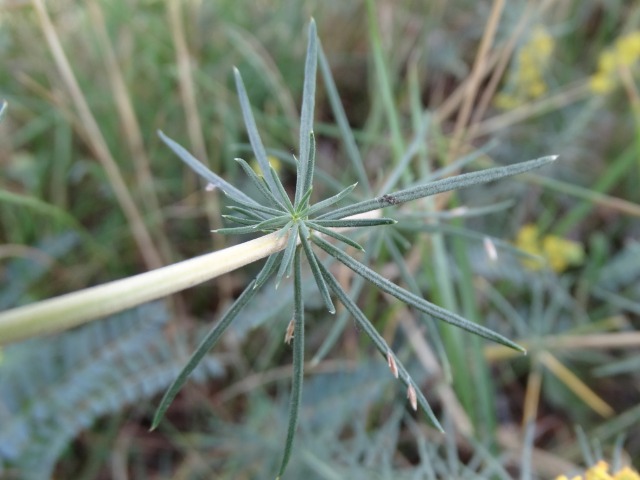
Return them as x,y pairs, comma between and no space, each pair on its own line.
273,223
287,256
235,230
252,131
334,234
403,164
331,200
432,331
207,344
283,193
341,118
306,114
260,184
412,299
204,172
439,186
256,207
355,222
355,288
308,179
298,362
267,270
248,213
305,234
240,220
378,341
303,206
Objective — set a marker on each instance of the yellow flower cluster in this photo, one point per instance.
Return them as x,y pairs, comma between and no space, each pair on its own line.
559,252
600,471
624,53
527,82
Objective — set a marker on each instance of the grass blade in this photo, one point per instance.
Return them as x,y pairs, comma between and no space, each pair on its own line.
439,186
305,168
204,172
341,118
378,341
412,299
298,362
331,200
313,263
334,234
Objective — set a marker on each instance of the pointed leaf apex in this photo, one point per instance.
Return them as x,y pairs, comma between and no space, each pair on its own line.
553,157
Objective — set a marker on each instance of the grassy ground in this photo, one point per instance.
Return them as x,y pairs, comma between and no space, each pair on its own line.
89,194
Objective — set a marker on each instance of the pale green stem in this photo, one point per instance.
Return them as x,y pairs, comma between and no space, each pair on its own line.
73,309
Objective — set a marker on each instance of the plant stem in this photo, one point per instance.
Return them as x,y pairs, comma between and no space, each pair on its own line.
73,309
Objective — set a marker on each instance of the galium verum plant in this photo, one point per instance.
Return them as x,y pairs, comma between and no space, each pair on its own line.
308,226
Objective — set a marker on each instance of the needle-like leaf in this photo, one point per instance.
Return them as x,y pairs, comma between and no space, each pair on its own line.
412,299
308,180
204,172
261,208
287,256
278,185
331,200
259,184
298,362
439,186
254,136
355,222
334,234
207,344
378,341
304,202
305,234
267,270
273,223
240,220
306,114
235,230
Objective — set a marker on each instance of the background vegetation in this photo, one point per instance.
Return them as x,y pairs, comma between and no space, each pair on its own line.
88,84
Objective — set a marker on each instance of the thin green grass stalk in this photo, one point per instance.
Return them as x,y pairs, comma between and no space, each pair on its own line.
478,384
265,66
97,142
385,88
436,262
343,124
